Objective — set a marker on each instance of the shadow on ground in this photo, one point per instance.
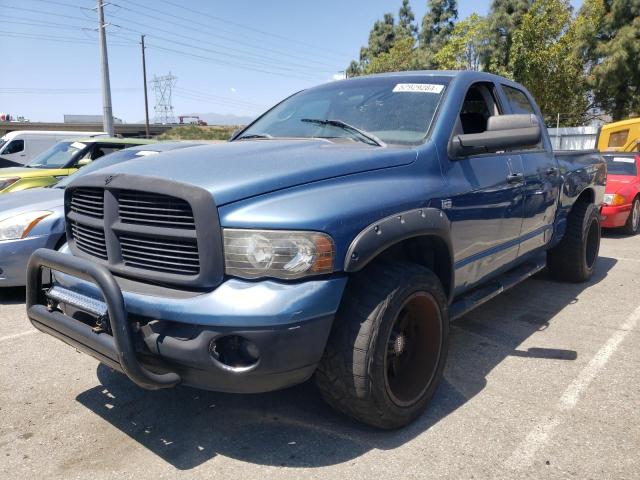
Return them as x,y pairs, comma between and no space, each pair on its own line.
12,295
294,428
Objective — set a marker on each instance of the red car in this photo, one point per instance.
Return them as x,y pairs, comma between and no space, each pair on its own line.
621,207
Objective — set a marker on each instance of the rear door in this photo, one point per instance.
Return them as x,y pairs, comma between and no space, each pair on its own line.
542,180
486,196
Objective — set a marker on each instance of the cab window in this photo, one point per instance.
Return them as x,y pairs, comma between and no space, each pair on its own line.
15,146
618,139
518,101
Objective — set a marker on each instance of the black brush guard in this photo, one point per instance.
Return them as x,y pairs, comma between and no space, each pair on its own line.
116,350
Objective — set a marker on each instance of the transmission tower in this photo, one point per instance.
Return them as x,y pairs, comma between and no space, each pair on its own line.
162,88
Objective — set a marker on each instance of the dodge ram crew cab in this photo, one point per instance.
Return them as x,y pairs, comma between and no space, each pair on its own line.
336,236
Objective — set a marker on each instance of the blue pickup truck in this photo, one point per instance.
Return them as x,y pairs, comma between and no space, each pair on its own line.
336,236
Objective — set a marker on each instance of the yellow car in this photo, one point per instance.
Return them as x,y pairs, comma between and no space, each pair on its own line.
623,136
61,160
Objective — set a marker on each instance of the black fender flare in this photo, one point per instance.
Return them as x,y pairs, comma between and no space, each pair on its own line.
388,231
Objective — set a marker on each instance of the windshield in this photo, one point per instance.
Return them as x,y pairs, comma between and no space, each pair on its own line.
3,142
57,156
111,159
621,165
396,110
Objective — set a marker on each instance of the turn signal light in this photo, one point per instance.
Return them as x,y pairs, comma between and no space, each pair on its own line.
614,200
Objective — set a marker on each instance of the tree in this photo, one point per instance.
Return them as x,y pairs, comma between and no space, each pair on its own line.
610,38
467,45
437,25
383,37
406,18
400,57
544,58
505,17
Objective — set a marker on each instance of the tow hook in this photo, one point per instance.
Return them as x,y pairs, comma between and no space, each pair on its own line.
102,325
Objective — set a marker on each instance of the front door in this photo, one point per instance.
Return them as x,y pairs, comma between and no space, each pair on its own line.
486,195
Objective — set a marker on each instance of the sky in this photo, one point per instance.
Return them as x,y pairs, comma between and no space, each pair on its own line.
236,57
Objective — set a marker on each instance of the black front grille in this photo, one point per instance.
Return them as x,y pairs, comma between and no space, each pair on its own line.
177,256
156,210
165,233
90,240
88,201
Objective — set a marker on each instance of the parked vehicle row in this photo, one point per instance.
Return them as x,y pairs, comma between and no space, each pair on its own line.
20,147
61,160
334,237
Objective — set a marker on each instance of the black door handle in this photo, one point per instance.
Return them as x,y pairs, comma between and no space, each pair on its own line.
515,178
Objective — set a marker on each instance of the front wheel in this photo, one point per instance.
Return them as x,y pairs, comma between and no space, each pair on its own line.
633,222
574,258
386,353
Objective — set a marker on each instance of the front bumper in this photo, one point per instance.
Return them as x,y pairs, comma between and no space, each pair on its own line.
14,255
615,217
159,342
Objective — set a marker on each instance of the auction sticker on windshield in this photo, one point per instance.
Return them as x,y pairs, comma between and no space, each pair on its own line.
78,145
624,160
418,88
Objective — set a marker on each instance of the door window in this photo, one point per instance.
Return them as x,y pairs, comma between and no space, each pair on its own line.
15,146
479,104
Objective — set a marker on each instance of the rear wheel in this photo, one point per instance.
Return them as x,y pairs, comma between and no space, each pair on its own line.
574,258
386,353
633,222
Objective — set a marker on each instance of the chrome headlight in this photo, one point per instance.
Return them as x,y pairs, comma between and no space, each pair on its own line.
19,226
286,254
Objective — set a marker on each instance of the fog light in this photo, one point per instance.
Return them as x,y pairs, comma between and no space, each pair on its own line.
234,352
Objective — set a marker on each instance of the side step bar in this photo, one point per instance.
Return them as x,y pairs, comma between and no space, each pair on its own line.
116,350
483,294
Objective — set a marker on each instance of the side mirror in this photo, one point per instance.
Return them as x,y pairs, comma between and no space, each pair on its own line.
84,162
503,132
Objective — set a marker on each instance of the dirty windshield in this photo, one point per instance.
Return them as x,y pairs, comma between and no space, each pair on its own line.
395,110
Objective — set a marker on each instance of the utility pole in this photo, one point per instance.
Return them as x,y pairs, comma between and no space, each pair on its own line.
107,113
144,78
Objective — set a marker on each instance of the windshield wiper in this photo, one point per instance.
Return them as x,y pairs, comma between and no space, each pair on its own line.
255,136
372,139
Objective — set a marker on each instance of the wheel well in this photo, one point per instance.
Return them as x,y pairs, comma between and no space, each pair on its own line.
429,251
587,196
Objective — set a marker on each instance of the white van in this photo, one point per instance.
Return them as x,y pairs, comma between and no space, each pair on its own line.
19,147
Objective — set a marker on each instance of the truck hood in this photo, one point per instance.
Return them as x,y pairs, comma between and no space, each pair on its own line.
238,170
30,200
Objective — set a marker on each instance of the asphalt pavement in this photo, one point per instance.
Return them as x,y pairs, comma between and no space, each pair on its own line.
541,382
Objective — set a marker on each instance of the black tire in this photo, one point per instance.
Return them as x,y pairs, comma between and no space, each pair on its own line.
633,222
388,310
575,257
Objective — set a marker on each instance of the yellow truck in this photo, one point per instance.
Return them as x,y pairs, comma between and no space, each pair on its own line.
623,136
63,159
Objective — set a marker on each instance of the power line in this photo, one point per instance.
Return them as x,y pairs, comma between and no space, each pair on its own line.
54,38
227,21
274,63
63,91
190,27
